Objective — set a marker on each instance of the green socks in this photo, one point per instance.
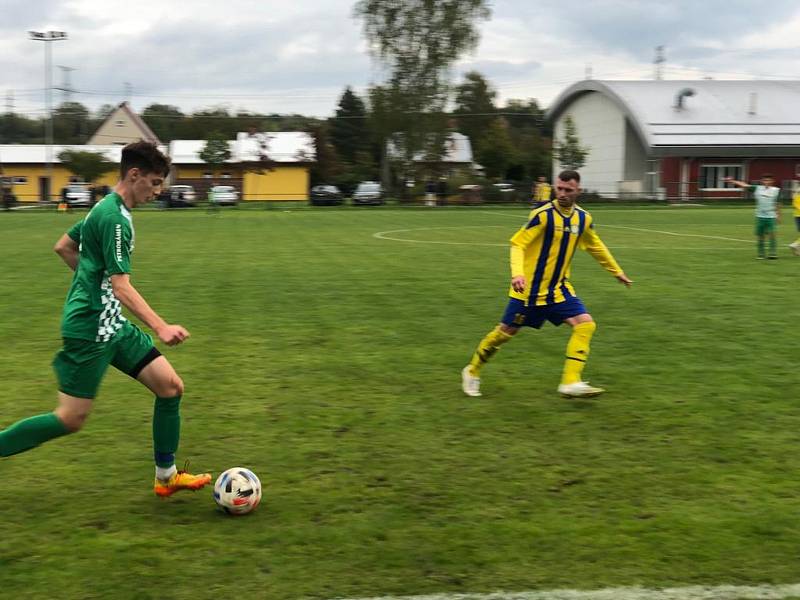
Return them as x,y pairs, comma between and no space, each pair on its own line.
166,430
29,433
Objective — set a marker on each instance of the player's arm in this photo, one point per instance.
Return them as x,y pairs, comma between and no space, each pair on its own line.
519,242
736,182
134,302
68,245
592,243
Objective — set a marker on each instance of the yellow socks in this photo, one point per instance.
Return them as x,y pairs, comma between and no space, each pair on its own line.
577,352
486,349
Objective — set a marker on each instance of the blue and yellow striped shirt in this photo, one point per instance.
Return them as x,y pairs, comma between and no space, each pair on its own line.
542,252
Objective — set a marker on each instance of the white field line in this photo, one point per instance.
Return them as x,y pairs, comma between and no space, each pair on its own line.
674,233
722,592
388,235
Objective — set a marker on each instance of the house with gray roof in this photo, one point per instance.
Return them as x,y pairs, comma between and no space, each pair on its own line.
679,139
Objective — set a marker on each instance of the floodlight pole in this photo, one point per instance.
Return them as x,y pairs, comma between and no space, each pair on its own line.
47,37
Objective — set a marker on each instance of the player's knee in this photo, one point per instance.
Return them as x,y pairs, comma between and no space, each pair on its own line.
73,419
508,330
172,387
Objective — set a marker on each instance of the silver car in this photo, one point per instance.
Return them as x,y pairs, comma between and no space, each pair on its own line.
368,192
77,194
224,194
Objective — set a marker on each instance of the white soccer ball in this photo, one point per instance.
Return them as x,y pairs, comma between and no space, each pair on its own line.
237,491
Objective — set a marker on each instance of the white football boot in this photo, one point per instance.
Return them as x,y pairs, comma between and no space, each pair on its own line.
470,384
579,389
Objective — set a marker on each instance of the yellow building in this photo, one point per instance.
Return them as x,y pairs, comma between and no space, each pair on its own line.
24,167
263,166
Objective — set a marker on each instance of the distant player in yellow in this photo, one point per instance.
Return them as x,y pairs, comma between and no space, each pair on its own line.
795,245
542,192
541,255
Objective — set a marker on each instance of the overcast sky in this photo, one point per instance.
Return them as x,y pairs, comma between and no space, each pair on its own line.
297,57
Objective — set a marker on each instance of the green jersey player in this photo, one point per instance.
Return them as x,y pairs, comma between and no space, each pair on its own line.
96,334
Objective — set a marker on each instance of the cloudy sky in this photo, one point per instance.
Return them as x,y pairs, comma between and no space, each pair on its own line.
297,56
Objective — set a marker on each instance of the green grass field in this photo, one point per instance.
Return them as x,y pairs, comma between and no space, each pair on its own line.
326,358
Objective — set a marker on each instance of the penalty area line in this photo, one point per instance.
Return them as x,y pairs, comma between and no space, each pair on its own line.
721,592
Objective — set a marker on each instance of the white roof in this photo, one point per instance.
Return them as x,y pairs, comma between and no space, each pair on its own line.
719,115
37,153
280,146
457,150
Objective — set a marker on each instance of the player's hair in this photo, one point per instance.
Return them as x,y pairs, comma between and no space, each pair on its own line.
767,176
146,157
570,175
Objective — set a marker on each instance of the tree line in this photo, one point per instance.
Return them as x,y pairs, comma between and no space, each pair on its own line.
510,142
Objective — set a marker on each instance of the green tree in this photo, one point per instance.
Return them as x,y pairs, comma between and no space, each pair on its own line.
215,151
569,152
530,138
475,107
70,123
17,129
348,129
165,120
418,41
524,114
495,151
326,167
86,165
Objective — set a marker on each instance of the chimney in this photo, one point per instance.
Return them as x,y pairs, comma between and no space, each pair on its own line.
753,107
683,93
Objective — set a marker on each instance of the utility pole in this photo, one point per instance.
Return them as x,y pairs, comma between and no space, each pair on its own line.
658,61
47,37
10,102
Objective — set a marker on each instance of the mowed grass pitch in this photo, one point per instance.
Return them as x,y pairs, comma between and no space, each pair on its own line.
327,360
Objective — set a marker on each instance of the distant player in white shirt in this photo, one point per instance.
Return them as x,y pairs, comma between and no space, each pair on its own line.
768,212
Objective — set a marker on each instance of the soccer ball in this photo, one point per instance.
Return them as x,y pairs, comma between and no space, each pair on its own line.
237,491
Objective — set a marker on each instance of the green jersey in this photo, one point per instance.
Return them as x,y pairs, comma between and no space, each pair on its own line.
766,201
106,238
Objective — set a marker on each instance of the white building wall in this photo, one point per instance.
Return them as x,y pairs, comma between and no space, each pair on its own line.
601,126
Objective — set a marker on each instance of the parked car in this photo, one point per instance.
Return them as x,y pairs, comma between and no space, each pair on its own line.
368,192
500,192
325,195
77,194
224,194
180,196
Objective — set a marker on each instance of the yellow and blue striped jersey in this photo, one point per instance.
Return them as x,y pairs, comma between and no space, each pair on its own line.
542,252
542,192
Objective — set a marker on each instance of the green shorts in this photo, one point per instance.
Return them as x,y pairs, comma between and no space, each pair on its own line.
765,226
81,364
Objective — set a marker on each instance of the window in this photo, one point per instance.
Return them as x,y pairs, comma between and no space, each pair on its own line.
119,123
226,175
711,176
207,175
19,180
